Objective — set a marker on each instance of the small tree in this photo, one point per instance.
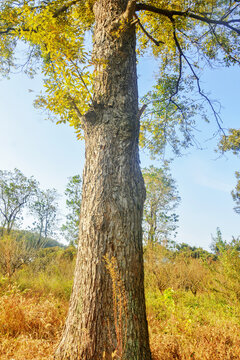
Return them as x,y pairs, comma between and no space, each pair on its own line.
236,193
159,221
228,271
231,142
14,254
15,193
44,208
218,244
73,193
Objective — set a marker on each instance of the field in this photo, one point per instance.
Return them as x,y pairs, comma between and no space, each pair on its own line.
192,304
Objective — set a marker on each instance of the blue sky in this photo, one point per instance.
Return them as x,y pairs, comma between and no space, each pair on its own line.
51,153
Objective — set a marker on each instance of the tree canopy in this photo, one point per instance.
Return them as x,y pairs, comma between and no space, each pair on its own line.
183,35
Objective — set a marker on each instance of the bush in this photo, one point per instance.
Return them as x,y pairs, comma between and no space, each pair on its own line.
179,271
50,272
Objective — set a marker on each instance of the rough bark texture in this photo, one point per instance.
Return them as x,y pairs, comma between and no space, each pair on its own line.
112,203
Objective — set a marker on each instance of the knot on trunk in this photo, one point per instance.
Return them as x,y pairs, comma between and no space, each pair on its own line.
124,21
90,117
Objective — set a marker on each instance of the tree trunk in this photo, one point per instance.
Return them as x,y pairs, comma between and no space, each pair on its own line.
99,323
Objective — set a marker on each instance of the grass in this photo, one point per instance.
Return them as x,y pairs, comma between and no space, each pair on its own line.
187,327
201,343
193,312
26,348
30,327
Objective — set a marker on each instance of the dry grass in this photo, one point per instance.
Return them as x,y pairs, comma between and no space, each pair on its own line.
201,342
26,348
29,326
192,315
27,315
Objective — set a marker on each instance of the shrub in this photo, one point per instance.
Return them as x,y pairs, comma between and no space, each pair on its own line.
51,272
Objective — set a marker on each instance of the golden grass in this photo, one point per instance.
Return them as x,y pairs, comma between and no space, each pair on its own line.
205,343
29,326
41,318
26,348
193,319
201,342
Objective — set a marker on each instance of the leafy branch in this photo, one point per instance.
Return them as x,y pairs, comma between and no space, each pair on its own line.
188,14
182,55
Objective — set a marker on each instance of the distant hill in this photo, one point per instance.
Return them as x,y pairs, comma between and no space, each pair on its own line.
32,239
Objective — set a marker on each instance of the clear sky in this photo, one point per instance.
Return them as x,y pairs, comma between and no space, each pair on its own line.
51,153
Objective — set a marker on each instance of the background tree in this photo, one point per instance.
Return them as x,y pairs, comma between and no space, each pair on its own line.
104,104
193,251
44,209
236,194
218,243
159,221
227,280
73,194
231,142
14,254
15,193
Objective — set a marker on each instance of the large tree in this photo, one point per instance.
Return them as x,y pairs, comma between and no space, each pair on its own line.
95,89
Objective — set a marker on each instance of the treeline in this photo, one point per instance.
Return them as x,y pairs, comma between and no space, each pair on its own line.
190,268
21,199
179,267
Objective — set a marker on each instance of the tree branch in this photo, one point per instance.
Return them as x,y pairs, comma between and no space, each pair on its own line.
82,79
216,115
64,8
130,10
156,42
171,13
221,44
141,111
7,30
58,12
79,114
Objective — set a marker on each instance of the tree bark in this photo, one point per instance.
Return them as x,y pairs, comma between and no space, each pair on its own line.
112,205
